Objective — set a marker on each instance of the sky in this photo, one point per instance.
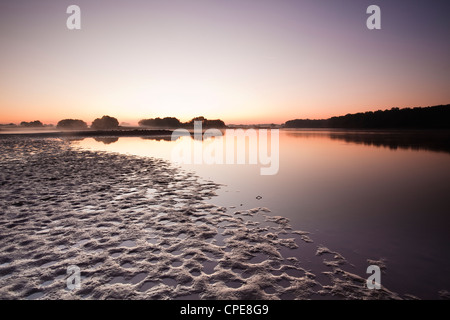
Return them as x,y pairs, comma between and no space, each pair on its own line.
243,61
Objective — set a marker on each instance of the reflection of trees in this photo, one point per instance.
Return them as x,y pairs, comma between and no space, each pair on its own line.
162,138
107,140
308,133
71,139
414,140
183,133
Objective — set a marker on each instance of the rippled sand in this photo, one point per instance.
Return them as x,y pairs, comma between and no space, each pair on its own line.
139,228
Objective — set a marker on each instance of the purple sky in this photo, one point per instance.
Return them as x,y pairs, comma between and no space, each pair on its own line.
239,60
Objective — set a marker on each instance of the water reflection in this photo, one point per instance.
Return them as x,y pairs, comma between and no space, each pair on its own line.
112,140
72,139
438,141
162,138
360,193
107,140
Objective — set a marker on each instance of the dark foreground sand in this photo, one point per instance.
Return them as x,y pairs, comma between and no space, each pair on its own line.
139,228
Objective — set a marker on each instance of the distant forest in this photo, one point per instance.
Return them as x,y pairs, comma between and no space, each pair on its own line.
437,117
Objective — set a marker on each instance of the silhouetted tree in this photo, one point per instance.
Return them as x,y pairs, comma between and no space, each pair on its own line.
168,122
201,118
34,124
72,124
437,117
208,123
305,123
106,122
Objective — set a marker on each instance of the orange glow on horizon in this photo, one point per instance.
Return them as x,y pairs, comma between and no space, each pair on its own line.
132,118
242,63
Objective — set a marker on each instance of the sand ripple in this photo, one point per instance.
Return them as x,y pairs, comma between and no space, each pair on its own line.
139,228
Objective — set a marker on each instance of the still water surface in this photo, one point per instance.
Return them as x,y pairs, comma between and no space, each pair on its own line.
367,195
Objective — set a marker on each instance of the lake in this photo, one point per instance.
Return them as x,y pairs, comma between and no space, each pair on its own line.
365,194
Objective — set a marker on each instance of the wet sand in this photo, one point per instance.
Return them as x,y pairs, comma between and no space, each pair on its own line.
55,133
139,228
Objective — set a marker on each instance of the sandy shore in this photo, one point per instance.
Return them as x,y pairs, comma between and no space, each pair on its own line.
55,133
139,228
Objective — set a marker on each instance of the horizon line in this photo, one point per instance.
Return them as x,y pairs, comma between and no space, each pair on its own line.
125,123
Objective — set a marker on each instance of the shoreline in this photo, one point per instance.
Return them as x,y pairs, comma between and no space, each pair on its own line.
92,133
139,228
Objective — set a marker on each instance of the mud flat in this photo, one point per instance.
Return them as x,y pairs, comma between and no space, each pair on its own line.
139,228
30,133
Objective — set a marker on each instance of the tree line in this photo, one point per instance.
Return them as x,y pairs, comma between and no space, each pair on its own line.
105,122
170,122
108,123
436,117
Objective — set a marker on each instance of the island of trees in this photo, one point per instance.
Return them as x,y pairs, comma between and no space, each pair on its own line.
168,122
436,117
32,124
106,122
171,122
72,124
111,123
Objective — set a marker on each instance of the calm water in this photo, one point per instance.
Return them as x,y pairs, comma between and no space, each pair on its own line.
366,195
